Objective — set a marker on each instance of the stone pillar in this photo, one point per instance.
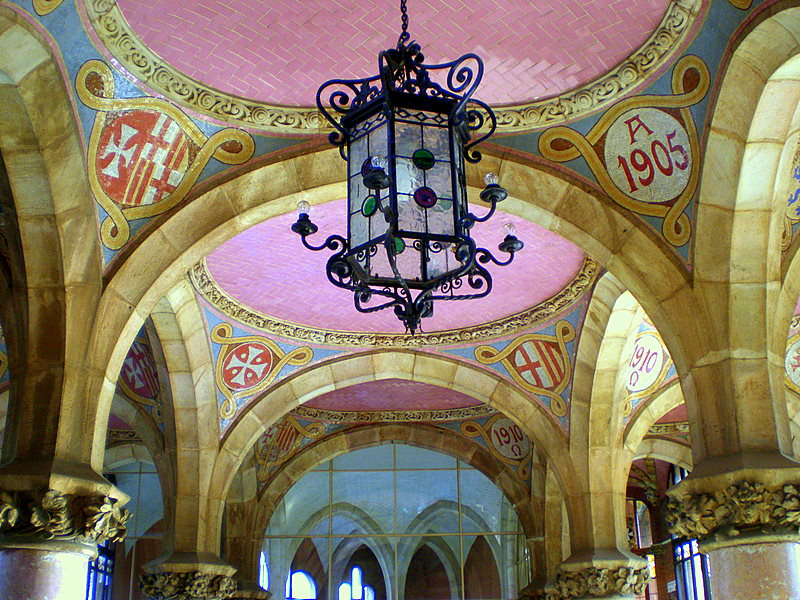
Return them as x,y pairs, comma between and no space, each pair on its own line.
768,570
243,541
56,571
47,539
748,529
613,577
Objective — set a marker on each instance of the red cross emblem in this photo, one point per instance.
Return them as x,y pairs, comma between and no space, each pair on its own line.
142,156
139,371
540,363
246,365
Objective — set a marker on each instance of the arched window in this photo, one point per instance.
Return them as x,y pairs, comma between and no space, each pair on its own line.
355,588
300,586
263,571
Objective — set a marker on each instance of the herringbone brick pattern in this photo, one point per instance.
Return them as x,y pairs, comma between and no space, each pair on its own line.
279,51
267,269
392,394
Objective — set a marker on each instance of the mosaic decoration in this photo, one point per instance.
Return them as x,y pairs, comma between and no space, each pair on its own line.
282,441
118,37
394,416
45,7
144,153
792,363
138,378
481,424
505,440
645,151
678,428
648,367
791,216
204,283
246,365
539,363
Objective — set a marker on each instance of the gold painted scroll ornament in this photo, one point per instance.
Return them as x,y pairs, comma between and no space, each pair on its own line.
645,151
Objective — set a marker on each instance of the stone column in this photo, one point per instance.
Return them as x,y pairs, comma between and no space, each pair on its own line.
747,527
47,539
243,541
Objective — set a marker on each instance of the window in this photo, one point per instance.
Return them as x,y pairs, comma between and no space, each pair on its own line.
300,586
691,571
98,581
355,588
263,571
394,499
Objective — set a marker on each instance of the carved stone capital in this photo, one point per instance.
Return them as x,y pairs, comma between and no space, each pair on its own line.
600,582
742,508
47,514
193,585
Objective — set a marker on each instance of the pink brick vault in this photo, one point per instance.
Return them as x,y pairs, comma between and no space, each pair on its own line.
267,269
280,51
392,394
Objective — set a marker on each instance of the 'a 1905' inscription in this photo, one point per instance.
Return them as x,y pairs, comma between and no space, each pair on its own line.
648,155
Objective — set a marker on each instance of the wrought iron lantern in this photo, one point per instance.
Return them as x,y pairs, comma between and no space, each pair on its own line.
405,134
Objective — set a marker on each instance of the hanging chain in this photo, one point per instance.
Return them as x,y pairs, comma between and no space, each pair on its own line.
404,21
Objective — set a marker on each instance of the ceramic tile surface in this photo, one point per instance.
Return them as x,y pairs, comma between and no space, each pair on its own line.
280,52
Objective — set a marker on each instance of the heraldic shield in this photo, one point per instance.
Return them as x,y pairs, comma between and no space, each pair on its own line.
538,363
145,154
246,365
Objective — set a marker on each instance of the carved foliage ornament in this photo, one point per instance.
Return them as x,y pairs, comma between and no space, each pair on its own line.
600,582
194,585
49,514
745,506
120,40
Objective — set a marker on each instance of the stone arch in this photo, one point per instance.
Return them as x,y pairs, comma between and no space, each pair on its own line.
605,421
659,404
122,454
41,145
423,436
667,450
249,195
187,354
750,123
142,425
604,300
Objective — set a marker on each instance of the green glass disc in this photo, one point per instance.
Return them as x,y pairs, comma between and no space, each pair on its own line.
370,206
399,245
423,159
